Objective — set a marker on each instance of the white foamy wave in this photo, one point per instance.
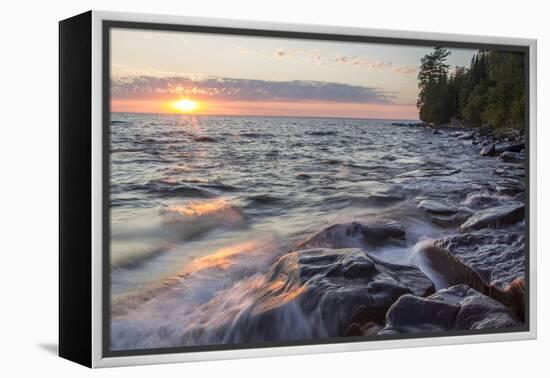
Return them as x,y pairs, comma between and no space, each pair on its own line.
145,236
197,304
196,217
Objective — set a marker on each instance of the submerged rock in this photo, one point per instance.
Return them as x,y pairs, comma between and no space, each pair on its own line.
436,207
443,214
456,308
512,157
383,199
354,234
483,200
503,215
331,288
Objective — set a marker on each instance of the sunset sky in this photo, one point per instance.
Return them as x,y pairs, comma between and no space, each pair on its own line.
179,72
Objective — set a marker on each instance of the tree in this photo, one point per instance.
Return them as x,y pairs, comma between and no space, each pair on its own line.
434,99
491,90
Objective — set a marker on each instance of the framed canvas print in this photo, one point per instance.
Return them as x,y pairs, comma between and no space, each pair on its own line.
233,189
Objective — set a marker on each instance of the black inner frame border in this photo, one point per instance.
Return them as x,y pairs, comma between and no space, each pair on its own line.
107,25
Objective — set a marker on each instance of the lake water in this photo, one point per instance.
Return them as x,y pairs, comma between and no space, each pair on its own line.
202,205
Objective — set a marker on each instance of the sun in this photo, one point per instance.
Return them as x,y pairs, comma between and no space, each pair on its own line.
186,106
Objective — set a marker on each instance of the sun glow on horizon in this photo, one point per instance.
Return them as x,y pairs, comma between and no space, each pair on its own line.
186,105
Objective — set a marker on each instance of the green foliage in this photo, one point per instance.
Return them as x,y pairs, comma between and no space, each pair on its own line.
491,90
433,99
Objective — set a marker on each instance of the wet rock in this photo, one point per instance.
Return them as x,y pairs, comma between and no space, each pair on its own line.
497,256
499,216
483,200
332,289
436,132
478,311
368,328
466,136
303,176
436,207
456,308
511,157
488,150
451,220
510,147
443,214
355,234
452,267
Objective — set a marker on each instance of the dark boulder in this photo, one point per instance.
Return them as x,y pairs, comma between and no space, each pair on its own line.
416,314
488,150
323,293
354,234
497,256
510,147
495,217
456,308
436,132
478,311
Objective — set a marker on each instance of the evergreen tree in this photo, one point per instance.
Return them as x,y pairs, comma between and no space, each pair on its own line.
434,99
491,90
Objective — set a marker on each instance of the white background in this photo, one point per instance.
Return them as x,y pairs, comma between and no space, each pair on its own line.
28,158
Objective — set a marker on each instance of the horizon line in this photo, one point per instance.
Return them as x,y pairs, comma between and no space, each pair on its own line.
270,116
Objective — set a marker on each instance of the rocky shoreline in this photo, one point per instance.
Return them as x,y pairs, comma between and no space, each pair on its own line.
332,279
424,232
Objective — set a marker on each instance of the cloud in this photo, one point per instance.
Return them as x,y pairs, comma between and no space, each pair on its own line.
322,58
229,89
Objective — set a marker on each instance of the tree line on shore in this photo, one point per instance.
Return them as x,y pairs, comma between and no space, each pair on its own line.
492,90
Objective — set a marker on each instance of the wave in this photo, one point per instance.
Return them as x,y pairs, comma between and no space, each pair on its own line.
197,217
173,188
192,305
264,200
118,150
321,133
145,237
